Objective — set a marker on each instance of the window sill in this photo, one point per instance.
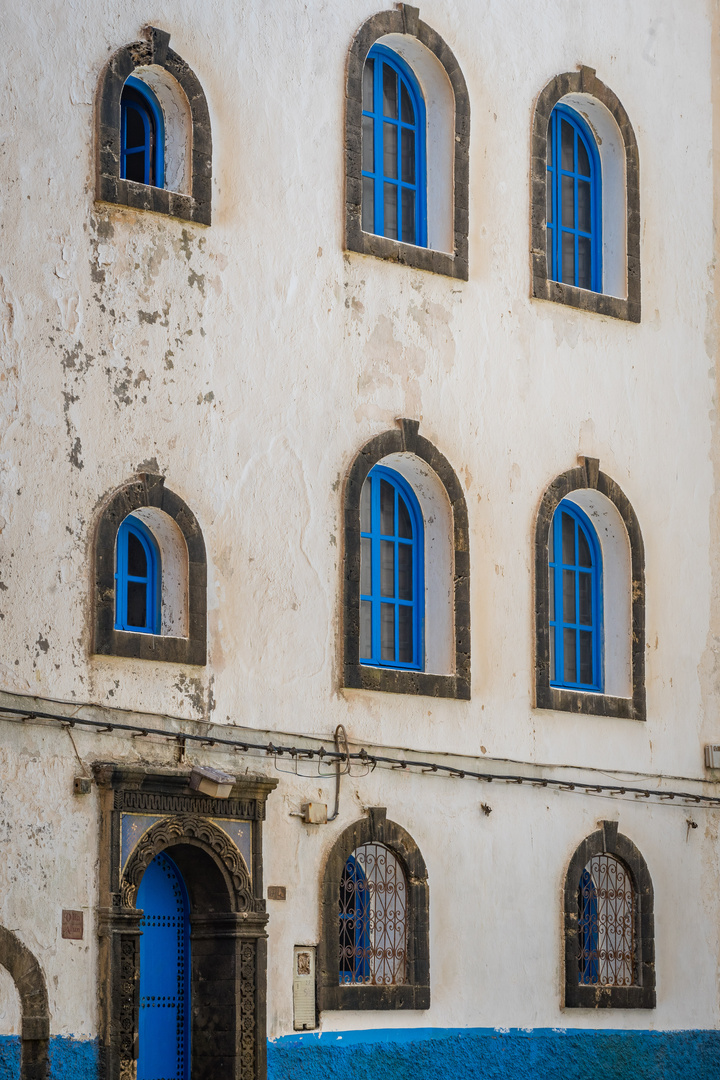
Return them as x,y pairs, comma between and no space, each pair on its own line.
157,647
610,997
401,681
136,196
419,258
598,303
373,997
589,702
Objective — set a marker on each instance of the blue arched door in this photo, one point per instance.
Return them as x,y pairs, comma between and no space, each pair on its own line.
164,1029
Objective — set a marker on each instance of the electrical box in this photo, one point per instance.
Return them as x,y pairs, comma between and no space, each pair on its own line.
315,813
304,1009
712,756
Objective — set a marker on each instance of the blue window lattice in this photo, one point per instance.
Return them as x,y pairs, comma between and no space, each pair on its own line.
137,579
574,202
391,572
576,647
393,150
142,135
354,963
164,1014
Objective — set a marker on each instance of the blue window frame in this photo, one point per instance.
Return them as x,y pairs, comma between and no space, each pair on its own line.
142,135
393,150
576,646
355,950
392,591
588,929
574,202
137,579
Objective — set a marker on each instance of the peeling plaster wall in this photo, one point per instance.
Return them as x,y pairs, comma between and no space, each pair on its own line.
248,363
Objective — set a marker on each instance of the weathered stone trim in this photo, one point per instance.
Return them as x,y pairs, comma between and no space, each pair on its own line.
149,490
110,187
361,676
583,81
415,994
588,475
26,973
406,20
607,840
227,916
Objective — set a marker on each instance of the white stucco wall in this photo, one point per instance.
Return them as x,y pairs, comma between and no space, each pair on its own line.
248,362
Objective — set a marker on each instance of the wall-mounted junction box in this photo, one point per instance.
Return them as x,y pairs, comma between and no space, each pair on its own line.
712,756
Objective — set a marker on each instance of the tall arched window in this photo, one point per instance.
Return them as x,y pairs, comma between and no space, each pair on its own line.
575,588
574,206
373,918
137,579
142,135
393,149
606,923
391,572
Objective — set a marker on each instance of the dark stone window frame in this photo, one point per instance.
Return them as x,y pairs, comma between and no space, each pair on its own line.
406,20
608,841
149,489
584,81
588,475
111,187
415,993
27,975
405,438
228,918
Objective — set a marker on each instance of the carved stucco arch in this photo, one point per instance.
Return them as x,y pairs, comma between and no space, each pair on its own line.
25,971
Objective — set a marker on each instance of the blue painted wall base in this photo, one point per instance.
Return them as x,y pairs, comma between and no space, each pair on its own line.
490,1054
70,1059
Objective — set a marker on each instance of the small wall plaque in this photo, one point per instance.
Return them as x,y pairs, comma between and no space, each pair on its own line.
277,892
72,925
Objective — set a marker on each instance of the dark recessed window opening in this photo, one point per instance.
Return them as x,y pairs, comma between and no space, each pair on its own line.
142,135
574,208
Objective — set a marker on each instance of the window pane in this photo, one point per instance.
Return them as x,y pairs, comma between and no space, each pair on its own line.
405,581
407,144
585,598
387,568
408,215
550,144
568,258
550,257
584,221
583,161
568,540
390,204
567,145
551,593
569,675
365,495
387,631
389,92
136,603
406,635
366,566
365,629
134,127
368,204
135,167
390,136
569,596
568,201
368,79
404,522
586,667
407,112
584,556
137,559
549,197
551,542
584,263
368,146
387,508
553,674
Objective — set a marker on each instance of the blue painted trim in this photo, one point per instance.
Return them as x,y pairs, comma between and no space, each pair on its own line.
372,1036
375,597
69,1058
558,624
555,173
154,124
135,527
382,56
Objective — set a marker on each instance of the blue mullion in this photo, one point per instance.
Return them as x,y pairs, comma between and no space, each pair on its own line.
378,146
375,547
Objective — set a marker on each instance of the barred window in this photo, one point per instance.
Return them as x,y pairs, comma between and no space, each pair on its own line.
606,904
373,918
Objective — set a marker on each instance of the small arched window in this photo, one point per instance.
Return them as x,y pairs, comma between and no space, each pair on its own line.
137,579
606,923
142,135
373,918
575,589
391,572
393,150
574,206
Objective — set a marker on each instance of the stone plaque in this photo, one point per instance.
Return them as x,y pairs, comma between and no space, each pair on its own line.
72,925
277,892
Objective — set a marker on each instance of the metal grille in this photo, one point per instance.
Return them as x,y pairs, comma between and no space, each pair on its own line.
606,905
373,918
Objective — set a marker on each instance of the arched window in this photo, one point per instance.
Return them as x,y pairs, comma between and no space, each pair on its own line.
574,203
137,579
142,135
393,149
391,572
606,923
373,918
575,562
